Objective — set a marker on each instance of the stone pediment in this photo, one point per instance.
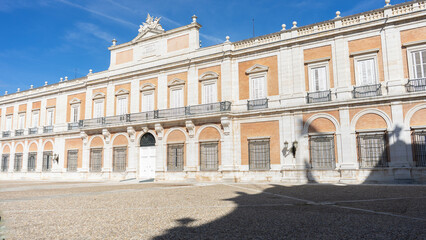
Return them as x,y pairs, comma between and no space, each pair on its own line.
176,82
208,76
257,68
151,27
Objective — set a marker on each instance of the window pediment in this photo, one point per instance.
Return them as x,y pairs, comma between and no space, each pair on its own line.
147,87
176,82
257,68
208,76
75,101
121,91
98,95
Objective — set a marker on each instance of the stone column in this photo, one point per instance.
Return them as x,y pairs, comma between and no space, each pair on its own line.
162,91
39,160
110,100
107,164
134,96
86,153
226,77
89,101
59,149
12,158
161,159
227,146
341,68
133,153
192,86
348,140
399,139
191,151
25,157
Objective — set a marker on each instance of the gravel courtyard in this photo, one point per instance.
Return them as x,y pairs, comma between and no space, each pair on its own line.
75,210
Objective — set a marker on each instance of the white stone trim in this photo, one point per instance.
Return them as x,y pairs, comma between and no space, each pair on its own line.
208,76
318,64
411,113
147,87
118,134
410,50
98,95
44,144
19,143
30,143
200,130
372,111
176,129
121,91
325,59
305,130
141,133
257,68
366,56
175,82
74,101
369,51
95,136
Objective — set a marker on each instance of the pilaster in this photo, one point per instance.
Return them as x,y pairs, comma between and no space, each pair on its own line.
192,93
134,95
348,160
110,100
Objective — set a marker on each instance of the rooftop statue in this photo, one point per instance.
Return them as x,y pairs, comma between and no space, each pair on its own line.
151,23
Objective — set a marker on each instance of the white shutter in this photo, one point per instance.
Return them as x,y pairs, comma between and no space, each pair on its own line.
74,113
35,119
419,64
8,123
122,106
209,93
322,79
147,101
366,72
258,88
21,121
176,98
49,117
98,109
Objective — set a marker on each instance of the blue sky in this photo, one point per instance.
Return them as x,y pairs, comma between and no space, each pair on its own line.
43,40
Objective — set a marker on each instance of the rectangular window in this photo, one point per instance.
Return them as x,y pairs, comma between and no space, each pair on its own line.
318,79
72,160
175,156
5,162
147,101
18,162
95,159
121,105
120,156
419,147
34,122
9,123
209,93
372,150
259,158
366,72
176,98
75,113
21,123
322,151
47,161
32,157
258,87
419,63
49,116
209,156
98,110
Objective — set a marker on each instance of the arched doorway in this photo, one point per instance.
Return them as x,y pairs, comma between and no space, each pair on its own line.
147,156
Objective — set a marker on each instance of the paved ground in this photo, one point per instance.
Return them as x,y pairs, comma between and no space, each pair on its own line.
64,210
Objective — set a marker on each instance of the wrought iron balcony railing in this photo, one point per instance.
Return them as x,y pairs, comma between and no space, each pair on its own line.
75,125
47,129
163,113
19,132
367,91
257,104
33,130
320,96
416,85
6,134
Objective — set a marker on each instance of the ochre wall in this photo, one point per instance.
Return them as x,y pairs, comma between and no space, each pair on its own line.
178,43
209,133
182,76
370,121
82,98
19,148
272,76
335,114
176,136
33,147
51,102
96,142
6,150
321,125
124,57
120,141
74,144
318,53
363,45
9,110
386,109
419,118
215,69
36,105
407,36
22,108
261,129
153,81
48,146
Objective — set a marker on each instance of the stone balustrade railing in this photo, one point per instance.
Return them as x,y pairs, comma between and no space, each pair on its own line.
395,10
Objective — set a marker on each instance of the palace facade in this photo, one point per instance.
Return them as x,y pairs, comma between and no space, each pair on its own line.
336,101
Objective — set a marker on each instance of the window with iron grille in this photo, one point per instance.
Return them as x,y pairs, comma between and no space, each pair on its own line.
5,162
259,158
18,162
47,161
95,159
209,156
372,149
32,156
322,152
175,156
72,158
419,147
120,156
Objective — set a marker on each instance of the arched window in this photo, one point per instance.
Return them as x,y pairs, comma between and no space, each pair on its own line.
147,140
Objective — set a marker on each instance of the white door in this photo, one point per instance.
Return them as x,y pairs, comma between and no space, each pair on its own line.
147,162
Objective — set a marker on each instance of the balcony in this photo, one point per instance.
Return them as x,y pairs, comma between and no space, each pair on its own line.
75,125
257,104
6,134
367,91
47,129
19,132
33,130
416,85
157,114
320,96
